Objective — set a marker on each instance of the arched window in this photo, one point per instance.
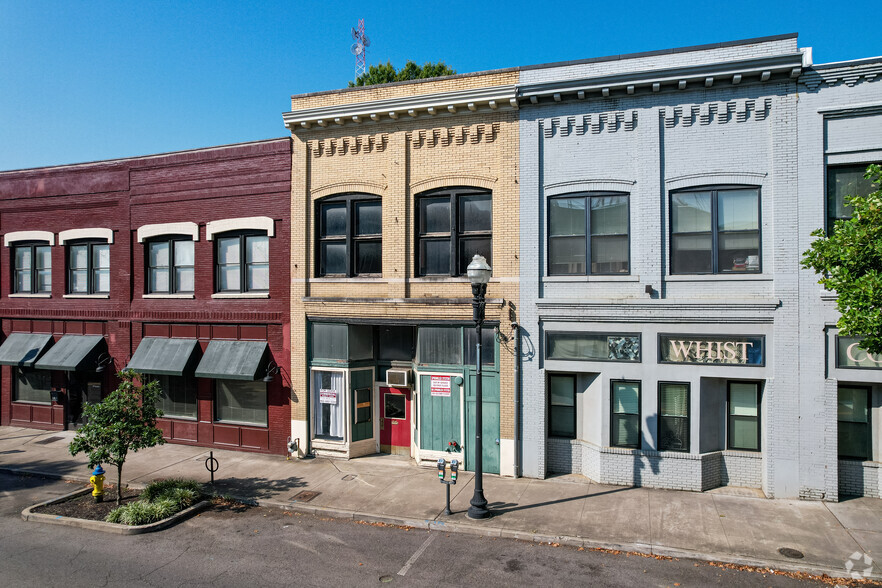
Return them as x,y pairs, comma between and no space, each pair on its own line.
349,236
453,225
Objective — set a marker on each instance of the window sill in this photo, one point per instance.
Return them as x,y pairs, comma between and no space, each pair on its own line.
345,280
731,277
229,295
24,295
602,278
240,424
36,402
829,296
179,418
94,296
448,279
174,296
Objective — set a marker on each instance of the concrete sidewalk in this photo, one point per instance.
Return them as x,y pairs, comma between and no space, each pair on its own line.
727,525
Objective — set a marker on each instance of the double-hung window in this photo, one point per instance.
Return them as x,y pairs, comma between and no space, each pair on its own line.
715,231
170,262
350,236
744,429
588,234
32,263
242,262
562,405
854,422
88,270
625,425
673,416
454,225
842,182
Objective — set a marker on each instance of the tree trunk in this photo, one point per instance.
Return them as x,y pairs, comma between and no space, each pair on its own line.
119,485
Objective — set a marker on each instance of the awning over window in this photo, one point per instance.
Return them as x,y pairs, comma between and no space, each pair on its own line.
23,349
73,353
234,360
165,357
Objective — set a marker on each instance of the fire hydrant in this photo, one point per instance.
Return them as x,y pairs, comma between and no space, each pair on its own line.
97,481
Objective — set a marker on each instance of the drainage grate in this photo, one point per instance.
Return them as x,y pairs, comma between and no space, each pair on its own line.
304,496
48,440
791,553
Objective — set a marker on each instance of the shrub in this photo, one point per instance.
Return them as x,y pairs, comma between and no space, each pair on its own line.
159,500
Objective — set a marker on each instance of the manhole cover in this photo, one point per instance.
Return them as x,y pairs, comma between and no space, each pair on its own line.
790,552
304,496
48,440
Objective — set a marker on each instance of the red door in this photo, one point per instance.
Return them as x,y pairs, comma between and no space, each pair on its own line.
395,420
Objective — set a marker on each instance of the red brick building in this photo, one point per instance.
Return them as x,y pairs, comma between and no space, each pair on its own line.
176,265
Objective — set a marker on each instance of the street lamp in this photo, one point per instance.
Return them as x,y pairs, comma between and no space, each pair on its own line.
479,275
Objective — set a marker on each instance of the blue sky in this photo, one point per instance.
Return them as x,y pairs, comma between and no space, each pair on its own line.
82,81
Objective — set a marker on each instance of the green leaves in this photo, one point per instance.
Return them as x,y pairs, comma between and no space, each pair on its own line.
124,421
849,262
385,73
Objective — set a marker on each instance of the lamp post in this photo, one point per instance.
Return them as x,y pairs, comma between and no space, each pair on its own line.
479,275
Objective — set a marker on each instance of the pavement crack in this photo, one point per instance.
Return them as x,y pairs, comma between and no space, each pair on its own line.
722,526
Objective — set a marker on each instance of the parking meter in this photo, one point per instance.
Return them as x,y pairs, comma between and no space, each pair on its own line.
454,468
441,469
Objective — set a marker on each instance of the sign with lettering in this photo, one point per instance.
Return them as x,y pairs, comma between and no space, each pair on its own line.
850,355
327,396
440,385
701,349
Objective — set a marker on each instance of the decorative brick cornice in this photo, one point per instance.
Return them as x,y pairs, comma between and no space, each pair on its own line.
719,112
348,145
848,73
590,123
458,135
143,315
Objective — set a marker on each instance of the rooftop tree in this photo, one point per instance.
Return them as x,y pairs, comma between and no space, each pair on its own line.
385,73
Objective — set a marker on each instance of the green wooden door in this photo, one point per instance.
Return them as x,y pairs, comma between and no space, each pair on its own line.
439,416
490,416
361,390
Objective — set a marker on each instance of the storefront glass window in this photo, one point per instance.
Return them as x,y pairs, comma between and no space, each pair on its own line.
240,402
32,386
488,346
854,422
177,397
329,341
744,416
440,345
327,402
562,404
593,347
396,343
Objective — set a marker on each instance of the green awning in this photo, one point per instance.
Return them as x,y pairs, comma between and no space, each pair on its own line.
73,353
165,357
23,349
233,360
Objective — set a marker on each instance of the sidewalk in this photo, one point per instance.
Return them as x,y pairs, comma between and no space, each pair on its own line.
727,525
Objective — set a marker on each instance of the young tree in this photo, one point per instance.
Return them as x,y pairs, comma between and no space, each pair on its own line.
385,73
849,261
124,421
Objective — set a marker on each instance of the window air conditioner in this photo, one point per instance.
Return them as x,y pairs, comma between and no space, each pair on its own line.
397,377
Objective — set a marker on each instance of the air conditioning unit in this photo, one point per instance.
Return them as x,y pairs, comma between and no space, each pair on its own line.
397,377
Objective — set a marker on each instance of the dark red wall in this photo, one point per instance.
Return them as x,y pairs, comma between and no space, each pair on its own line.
252,179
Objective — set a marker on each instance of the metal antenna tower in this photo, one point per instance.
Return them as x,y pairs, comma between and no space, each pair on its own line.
359,48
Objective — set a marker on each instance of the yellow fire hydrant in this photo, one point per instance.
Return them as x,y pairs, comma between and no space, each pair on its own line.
97,481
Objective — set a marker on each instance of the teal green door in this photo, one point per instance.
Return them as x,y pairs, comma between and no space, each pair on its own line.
439,417
490,416
362,392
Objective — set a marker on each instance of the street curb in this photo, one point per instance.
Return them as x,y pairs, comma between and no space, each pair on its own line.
115,528
571,541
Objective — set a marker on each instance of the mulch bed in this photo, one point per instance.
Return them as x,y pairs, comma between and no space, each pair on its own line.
85,507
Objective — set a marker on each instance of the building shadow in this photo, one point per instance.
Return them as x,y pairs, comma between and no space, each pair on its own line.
502,508
254,488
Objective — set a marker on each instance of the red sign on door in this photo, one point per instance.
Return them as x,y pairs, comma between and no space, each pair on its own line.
440,385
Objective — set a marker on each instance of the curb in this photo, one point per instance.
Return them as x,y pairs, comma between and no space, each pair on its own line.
570,541
115,528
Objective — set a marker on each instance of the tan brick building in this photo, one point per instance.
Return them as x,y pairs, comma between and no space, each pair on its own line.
394,189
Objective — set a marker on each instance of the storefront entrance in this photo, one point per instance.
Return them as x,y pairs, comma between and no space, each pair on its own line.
395,421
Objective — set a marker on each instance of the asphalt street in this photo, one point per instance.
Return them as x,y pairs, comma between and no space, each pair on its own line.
241,546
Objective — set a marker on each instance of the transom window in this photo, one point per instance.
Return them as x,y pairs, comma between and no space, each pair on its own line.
242,262
88,267
32,264
584,227
454,225
842,182
350,236
170,262
715,231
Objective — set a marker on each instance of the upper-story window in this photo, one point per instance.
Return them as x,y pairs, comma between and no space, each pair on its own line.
349,236
88,267
170,263
242,262
842,182
32,263
715,231
453,226
583,227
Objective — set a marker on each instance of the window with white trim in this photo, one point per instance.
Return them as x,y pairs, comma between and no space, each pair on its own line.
88,269
170,264
32,268
242,262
